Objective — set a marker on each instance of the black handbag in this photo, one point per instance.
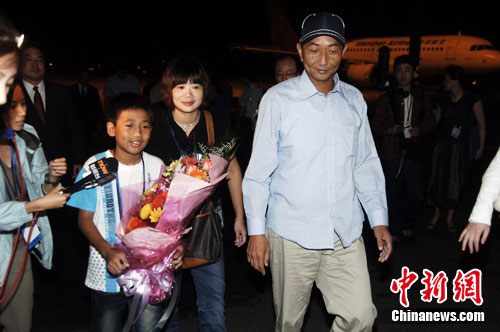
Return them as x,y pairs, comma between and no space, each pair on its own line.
203,244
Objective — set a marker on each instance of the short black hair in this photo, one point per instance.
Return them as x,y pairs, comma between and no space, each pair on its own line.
38,46
127,101
283,57
405,58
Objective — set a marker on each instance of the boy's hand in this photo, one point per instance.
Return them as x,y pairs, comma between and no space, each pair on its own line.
177,257
117,261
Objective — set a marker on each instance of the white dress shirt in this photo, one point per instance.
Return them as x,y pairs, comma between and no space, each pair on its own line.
31,92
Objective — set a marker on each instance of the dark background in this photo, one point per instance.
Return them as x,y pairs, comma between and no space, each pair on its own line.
147,34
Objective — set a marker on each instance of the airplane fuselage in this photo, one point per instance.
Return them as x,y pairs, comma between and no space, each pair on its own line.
476,55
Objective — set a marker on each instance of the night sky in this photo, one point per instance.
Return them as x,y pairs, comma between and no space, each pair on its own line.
150,34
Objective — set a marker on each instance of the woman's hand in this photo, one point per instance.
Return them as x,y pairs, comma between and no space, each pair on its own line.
240,232
57,168
177,257
53,200
474,234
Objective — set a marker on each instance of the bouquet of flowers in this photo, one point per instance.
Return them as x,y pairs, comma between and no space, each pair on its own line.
150,230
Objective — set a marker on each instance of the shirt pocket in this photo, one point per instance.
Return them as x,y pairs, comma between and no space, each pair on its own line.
304,134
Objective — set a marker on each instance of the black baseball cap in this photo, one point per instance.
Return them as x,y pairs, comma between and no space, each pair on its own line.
320,24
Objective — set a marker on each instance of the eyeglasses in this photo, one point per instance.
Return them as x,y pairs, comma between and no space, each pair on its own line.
286,75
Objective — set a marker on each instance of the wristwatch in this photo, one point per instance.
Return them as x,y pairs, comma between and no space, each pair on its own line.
46,180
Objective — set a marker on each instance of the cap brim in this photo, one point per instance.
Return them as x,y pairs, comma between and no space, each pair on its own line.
310,36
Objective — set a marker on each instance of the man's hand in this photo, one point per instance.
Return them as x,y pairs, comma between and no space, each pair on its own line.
415,131
384,242
396,129
258,252
472,234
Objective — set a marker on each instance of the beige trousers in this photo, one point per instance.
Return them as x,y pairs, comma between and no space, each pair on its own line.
341,275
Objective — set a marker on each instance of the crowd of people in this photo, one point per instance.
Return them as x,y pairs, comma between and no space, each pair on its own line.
314,165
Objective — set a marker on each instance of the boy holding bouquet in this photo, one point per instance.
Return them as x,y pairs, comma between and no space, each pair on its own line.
100,211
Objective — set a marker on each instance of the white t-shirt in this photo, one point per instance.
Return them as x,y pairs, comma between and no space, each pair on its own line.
105,203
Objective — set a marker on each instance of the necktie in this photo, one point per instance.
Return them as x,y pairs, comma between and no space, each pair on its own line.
39,104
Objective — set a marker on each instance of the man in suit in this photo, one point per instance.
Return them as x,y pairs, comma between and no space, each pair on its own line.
89,109
50,109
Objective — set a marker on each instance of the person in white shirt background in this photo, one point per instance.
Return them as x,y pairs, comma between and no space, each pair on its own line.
478,228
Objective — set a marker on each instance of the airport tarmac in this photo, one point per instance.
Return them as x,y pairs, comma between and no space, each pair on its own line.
62,301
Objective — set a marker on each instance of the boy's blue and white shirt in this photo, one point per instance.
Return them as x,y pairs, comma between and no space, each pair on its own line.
103,202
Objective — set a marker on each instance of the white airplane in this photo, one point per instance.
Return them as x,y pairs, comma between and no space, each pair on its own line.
476,55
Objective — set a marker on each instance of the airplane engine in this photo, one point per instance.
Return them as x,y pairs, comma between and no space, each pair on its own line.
361,74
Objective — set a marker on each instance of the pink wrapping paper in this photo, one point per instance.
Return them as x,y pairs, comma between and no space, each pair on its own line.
149,249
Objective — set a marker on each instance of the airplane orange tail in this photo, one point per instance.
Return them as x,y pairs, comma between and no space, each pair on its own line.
283,35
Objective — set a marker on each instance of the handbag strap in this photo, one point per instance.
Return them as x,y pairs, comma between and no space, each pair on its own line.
210,127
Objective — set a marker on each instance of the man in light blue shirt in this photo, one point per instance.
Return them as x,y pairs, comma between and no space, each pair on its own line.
313,165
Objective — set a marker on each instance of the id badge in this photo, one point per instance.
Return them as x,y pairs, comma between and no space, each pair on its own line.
455,132
36,236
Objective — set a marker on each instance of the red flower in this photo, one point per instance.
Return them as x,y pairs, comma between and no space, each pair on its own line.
135,223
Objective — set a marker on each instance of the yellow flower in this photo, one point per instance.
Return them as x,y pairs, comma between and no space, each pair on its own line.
155,215
146,211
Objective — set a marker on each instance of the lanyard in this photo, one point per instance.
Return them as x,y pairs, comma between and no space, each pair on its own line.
11,189
118,186
408,110
174,137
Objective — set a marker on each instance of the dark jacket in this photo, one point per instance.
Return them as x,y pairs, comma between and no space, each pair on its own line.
62,134
389,112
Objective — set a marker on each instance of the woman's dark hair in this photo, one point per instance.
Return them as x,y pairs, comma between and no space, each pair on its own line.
4,109
181,71
457,73
127,101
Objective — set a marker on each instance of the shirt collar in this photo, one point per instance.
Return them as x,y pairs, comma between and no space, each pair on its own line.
29,86
307,88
